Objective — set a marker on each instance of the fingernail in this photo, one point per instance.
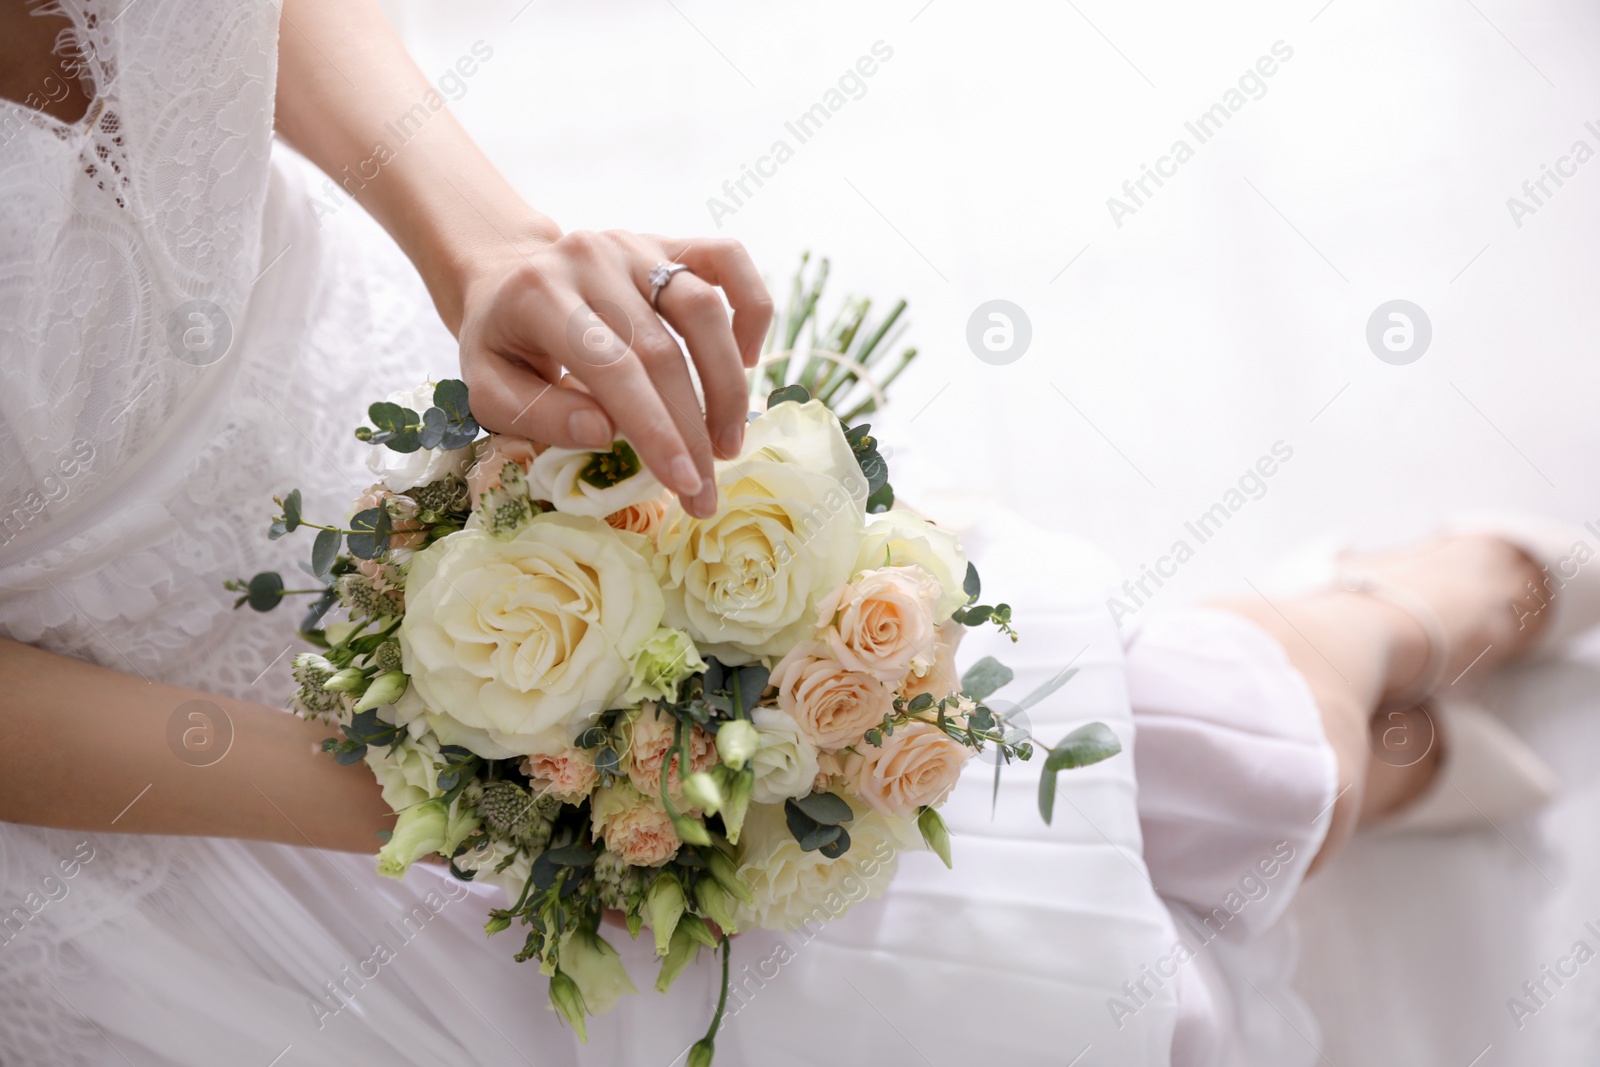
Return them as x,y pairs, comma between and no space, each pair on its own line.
730,440
588,429
685,476
705,501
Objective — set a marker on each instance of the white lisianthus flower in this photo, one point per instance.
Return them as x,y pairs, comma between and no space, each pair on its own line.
584,482
425,829
791,887
596,967
745,583
660,664
486,859
516,644
407,771
899,538
785,762
399,471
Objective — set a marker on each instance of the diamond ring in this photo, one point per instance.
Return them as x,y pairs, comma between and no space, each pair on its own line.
660,275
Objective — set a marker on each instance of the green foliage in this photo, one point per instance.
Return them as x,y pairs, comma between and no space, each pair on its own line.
1087,744
815,820
370,538
985,677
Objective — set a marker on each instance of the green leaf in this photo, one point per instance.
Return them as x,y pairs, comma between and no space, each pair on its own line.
397,426
975,616
593,737
451,395
838,846
1088,744
1047,794
855,435
881,500
971,585
266,591
433,427
320,607
291,511
606,761
985,677
920,702
1047,688
371,538
808,832
874,469
829,809
573,855
798,394
324,550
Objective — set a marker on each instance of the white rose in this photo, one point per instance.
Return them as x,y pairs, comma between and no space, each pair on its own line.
900,538
558,475
791,887
408,770
745,583
515,644
785,762
399,471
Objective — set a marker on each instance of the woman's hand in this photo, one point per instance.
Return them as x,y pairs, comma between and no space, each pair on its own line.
581,305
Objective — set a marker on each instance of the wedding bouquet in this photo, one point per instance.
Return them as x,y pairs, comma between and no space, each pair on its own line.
570,688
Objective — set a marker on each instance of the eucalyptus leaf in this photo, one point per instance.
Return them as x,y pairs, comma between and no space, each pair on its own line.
1047,688
798,394
1088,744
573,855
881,500
433,428
324,550
985,677
838,846
266,591
291,511
970,584
1047,794
829,809
371,538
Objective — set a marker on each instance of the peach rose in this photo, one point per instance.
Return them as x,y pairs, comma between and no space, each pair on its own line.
647,736
918,764
940,679
634,826
833,706
838,770
493,454
568,775
641,518
881,622
407,531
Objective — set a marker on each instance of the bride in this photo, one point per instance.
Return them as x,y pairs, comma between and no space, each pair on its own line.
184,879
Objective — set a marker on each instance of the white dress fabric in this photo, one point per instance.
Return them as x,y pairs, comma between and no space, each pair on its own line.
134,481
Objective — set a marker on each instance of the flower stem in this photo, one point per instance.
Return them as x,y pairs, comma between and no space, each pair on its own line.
722,1001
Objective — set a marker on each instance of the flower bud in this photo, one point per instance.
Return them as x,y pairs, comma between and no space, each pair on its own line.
935,834
337,633
737,802
566,999
716,903
386,688
702,791
496,924
680,952
727,874
700,1055
690,831
737,742
698,930
345,681
420,829
664,901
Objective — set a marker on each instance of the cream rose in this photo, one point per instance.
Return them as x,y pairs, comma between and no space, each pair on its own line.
785,761
522,641
647,734
568,775
493,453
899,538
596,484
833,707
633,825
745,583
939,678
399,471
791,887
917,764
881,622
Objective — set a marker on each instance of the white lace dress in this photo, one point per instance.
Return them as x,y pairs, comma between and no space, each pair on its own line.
182,335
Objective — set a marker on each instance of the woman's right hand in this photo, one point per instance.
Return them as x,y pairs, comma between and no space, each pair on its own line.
580,305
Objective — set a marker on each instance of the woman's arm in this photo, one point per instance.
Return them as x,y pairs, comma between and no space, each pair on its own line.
525,300
88,749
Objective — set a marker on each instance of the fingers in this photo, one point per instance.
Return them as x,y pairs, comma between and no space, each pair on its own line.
695,310
652,396
726,264
509,397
